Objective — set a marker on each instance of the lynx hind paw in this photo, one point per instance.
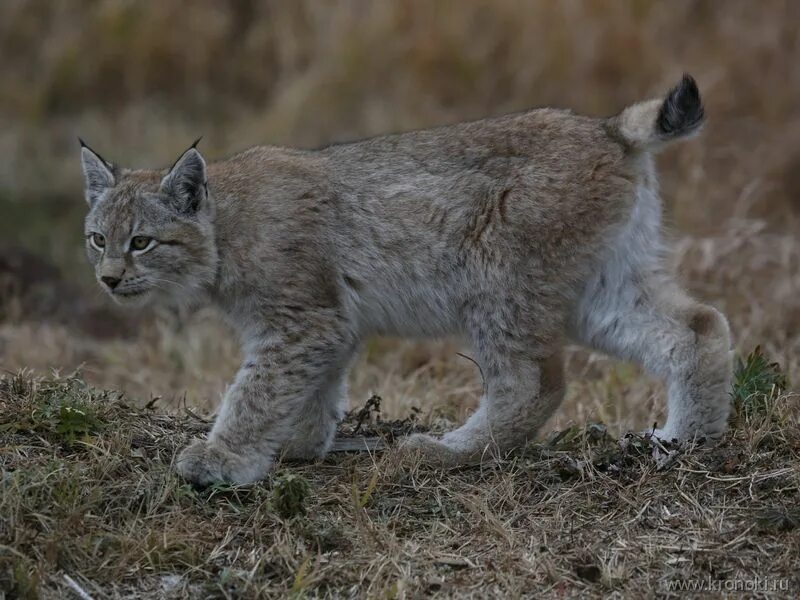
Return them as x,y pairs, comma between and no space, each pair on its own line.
203,463
658,434
668,437
422,448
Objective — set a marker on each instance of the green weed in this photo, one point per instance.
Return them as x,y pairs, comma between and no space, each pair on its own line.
756,384
289,495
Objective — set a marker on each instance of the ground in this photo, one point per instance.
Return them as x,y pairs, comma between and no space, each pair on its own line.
89,502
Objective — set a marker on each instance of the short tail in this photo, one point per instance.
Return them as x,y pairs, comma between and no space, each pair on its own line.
650,124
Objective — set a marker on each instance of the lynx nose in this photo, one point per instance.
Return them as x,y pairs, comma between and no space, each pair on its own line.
111,282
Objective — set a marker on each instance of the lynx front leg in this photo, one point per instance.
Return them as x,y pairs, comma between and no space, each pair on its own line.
264,404
316,425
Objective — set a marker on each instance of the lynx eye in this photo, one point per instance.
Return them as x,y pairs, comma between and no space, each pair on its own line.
140,242
98,240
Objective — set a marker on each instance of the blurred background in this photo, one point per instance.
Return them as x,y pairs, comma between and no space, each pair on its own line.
141,80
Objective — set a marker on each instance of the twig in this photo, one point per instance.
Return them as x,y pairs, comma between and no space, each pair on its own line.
358,444
191,413
373,403
475,362
76,588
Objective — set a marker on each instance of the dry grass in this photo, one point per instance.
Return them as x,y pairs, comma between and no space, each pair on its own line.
142,80
92,497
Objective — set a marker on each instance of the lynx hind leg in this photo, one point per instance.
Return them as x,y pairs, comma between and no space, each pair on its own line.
521,394
699,386
688,344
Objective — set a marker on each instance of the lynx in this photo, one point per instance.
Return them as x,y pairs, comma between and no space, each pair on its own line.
518,234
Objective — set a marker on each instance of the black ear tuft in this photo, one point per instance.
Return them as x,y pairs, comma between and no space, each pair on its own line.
98,173
97,154
185,183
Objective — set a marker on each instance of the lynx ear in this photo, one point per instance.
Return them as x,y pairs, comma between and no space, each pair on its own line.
98,173
186,181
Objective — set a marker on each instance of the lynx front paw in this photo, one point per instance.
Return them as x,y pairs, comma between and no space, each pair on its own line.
309,443
299,451
204,463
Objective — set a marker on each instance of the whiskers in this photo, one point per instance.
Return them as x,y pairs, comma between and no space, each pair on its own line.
163,280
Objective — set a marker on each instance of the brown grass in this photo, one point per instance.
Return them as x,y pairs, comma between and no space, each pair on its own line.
579,514
141,80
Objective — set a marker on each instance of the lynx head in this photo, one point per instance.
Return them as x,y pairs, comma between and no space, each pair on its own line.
150,234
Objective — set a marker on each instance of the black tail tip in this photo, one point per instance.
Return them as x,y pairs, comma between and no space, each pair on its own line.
682,110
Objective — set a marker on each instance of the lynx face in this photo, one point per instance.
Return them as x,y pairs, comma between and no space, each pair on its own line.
149,235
